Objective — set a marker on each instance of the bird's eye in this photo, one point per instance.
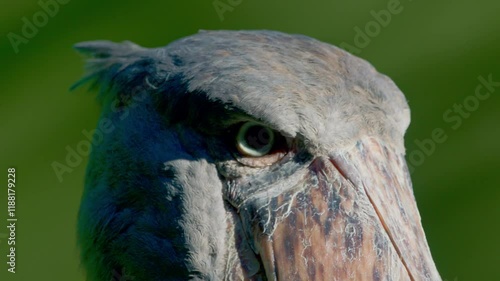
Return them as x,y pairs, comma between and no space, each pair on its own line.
254,139
257,145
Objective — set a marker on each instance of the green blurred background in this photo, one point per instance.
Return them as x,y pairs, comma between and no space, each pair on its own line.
434,51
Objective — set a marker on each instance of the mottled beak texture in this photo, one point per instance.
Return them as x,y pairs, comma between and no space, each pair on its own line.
351,217
172,192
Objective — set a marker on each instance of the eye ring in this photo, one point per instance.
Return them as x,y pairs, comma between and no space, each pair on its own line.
254,139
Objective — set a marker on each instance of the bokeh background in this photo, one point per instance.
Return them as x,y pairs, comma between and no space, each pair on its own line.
434,51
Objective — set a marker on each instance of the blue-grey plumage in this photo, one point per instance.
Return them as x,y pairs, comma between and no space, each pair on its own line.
250,155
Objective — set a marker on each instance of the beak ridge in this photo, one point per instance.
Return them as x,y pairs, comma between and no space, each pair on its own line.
352,217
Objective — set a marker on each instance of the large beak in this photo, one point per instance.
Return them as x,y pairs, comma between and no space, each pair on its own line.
353,216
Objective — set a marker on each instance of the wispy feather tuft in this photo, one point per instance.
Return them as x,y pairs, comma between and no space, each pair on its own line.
114,68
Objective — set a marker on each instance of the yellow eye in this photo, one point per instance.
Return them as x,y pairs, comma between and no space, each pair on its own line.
254,139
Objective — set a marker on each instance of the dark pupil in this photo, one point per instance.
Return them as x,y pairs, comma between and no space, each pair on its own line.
257,137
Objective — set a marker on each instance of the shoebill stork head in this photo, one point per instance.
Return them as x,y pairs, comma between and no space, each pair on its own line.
250,155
